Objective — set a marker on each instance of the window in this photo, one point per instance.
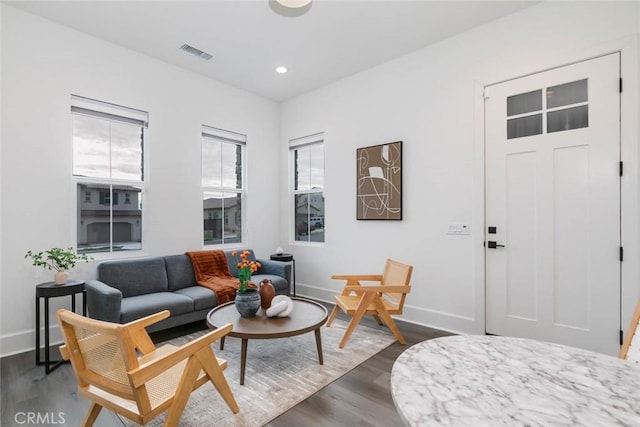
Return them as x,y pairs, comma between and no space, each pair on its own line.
223,188
108,147
566,108
307,160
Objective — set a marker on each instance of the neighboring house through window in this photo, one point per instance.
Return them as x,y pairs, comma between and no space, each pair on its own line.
223,187
307,160
108,159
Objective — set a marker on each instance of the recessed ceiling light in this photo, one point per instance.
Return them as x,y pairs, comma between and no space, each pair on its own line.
290,8
281,70
294,3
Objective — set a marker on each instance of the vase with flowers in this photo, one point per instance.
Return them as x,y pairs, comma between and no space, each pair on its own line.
247,297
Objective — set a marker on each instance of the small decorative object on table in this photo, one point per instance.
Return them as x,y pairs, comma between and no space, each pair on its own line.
267,292
281,306
247,298
58,259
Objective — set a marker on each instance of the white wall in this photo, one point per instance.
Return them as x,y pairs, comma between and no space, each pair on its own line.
428,99
42,65
431,100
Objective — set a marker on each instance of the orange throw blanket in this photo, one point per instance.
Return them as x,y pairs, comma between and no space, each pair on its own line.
212,271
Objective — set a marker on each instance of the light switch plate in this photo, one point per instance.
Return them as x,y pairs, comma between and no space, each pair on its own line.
458,228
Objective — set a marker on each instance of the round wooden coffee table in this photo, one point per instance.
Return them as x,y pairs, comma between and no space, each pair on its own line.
306,316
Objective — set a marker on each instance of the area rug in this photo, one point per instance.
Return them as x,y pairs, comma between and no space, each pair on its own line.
280,373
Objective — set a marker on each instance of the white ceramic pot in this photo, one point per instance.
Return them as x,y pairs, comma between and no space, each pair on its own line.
60,277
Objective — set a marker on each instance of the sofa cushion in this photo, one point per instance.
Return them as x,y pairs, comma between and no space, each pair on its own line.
202,297
179,272
279,283
144,305
135,277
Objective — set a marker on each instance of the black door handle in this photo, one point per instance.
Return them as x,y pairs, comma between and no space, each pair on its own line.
492,245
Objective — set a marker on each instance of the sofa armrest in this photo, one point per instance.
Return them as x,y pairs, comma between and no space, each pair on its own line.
103,301
277,268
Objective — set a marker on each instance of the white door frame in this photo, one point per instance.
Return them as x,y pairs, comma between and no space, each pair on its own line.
629,49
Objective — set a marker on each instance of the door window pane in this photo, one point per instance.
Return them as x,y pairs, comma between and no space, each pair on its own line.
524,103
524,126
567,94
570,118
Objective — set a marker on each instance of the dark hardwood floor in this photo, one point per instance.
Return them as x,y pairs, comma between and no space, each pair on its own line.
362,397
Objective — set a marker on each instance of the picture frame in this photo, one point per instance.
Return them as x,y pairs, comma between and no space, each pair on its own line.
379,182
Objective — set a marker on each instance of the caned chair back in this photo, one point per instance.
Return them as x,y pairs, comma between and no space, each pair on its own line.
97,351
631,347
396,273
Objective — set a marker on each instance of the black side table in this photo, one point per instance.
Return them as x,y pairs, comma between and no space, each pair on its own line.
51,290
287,258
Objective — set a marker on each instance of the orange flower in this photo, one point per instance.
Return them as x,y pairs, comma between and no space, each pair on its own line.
245,268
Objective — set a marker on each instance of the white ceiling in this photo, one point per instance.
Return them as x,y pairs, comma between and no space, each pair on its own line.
334,39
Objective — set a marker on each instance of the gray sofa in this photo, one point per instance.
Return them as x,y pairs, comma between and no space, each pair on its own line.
127,290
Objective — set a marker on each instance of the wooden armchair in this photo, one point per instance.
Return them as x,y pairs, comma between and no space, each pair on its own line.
631,347
118,367
380,301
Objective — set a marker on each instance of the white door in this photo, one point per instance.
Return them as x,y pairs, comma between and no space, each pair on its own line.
553,195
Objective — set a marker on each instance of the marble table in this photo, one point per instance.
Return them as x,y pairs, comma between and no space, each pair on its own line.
477,380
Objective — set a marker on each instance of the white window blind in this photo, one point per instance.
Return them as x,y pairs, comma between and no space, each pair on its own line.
225,135
92,107
316,138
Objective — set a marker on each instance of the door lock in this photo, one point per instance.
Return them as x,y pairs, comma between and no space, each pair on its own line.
492,245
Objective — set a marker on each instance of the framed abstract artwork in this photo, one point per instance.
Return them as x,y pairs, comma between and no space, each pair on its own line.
379,182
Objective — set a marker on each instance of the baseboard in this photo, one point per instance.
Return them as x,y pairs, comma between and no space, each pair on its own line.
447,322
24,341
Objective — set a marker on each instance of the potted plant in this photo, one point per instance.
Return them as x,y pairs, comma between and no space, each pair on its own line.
58,259
247,298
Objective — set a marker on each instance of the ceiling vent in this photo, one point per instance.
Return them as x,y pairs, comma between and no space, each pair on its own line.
195,51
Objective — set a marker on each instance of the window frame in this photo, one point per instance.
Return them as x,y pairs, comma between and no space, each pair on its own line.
123,115
209,133
313,140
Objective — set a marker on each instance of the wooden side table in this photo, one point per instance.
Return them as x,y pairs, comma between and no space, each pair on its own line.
51,290
287,258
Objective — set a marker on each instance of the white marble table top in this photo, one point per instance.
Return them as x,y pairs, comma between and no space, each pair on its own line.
477,380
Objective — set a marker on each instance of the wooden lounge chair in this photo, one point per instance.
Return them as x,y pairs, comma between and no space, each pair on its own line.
631,347
118,367
380,301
